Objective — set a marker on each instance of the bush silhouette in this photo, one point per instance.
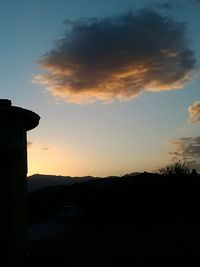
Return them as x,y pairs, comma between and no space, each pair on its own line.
175,169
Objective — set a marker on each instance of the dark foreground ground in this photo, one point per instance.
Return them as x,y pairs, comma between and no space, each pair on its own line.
146,220
142,249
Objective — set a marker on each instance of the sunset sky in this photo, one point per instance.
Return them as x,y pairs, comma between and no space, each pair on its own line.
116,83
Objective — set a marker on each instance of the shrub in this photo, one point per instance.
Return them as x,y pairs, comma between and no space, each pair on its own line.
175,169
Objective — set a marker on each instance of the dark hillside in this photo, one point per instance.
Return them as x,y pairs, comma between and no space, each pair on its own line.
143,215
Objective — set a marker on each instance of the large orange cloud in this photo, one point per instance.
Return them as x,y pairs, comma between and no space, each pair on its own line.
118,58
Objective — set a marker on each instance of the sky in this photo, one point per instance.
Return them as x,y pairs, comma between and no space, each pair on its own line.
116,83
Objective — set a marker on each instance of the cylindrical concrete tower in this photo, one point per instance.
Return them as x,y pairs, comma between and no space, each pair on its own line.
14,123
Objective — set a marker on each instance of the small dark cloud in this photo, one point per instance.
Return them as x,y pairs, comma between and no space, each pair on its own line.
29,144
187,149
35,146
169,5
44,148
118,58
194,112
166,5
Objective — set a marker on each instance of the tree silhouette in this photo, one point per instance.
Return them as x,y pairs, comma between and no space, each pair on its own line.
175,169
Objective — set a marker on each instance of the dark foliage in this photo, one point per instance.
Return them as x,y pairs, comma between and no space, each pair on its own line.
176,169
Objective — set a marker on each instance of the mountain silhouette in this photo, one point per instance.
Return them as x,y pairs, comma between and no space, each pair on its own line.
40,181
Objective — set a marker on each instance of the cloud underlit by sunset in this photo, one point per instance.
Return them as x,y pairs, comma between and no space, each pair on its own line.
118,57
187,149
112,80
194,112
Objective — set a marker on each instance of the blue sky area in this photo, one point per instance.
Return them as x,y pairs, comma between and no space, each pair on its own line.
114,94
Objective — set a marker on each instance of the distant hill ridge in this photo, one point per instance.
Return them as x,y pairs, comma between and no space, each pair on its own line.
134,197
40,181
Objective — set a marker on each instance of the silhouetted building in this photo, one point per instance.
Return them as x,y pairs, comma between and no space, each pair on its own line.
14,123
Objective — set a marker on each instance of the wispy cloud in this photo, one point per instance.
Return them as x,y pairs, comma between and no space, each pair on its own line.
29,143
194,112
187,149
35,146
118,58
164,5
174,4
44,148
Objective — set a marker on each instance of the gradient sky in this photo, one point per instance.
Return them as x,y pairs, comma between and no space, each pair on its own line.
99,121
